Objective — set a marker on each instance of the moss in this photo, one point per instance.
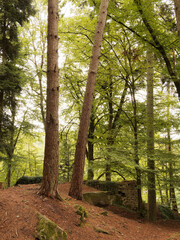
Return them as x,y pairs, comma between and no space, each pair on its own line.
81,211
48,230
100,199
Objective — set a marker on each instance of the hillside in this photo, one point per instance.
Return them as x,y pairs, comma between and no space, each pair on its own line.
18,207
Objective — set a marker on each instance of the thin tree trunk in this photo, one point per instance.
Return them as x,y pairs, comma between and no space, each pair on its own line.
1,113
160,190
91,148
9,172
78,170
49,185
114,127
150,142
110,141
169,148
177,11
158,45
41,101
136,154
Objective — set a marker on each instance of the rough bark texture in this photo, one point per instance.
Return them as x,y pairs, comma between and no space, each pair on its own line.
78,170
150,142
177,11
51,158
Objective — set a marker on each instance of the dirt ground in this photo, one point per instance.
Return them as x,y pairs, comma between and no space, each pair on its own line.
19,205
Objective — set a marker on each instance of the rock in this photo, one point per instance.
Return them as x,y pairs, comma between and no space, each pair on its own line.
101,199
29,180
100,230
81,211
48,230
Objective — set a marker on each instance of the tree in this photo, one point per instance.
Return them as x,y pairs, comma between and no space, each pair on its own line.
13,14
34,39
177,11
150,142
169,150
157,44
77,177
51,159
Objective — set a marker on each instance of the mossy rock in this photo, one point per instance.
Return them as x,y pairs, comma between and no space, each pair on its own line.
48,230
101,199
100,230
29,180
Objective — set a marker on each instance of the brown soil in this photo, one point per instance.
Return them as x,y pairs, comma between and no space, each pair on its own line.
18,207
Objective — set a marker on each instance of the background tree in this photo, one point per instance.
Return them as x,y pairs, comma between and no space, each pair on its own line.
78,170
150,141
177,11
12,76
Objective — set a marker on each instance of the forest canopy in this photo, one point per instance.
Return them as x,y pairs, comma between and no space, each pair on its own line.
132,134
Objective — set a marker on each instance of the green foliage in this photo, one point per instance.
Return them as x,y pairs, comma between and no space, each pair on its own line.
166,213
123,60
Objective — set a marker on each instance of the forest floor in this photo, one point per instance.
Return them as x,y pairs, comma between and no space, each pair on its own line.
18,218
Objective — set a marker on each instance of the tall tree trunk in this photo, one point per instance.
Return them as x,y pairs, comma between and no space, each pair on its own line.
12,142
177,11
78,170
169,148
91,148
160,190
1,113
51,158
136,154
150,142
110,140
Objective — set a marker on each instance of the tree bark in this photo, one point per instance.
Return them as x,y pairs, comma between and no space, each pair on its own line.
51,158
78,170
1,113
150,142
110,140
177,11
169,149
136,147
91,148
